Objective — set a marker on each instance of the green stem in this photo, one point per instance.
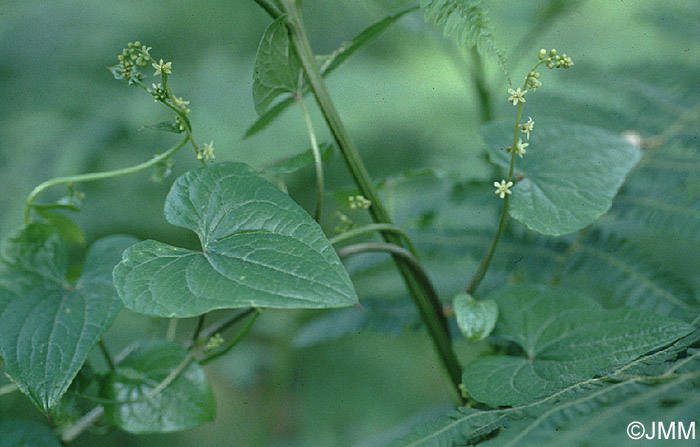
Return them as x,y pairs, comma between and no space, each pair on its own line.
422,293
318,161
171,331
371,228
221,326
503,221
270,8
198,329
106,355
243,332
97,176
9,388
85,422
407,256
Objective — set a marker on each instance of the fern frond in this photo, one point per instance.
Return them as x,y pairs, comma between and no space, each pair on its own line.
467,23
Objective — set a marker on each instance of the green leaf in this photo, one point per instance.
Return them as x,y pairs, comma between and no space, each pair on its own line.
69,230
49,324
259,248
26,434
476,319
167,126
566,337
658,386
186,402
466,22
277,68
571,173
306,158
330,63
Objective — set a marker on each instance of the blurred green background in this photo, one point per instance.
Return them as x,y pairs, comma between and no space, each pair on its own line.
408,102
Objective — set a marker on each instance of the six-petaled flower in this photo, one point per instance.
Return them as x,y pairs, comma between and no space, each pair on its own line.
502,188
516,95
162,67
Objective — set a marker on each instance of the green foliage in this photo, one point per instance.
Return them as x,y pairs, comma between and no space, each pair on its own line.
49,322
467,23
476,319
569,177
277,69
258,249
566,338
157,388
26,434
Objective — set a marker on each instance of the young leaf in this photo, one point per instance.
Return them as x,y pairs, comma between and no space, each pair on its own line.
69,230
570,176
277,68
476,319
49,325
306,158
467,23
330,63
26,434
566,337
259,248
184,403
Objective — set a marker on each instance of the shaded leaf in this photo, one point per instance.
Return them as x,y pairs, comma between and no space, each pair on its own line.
259,248
277,68
184,403
571,173
566,338
306,158
26,434
50,324
66,227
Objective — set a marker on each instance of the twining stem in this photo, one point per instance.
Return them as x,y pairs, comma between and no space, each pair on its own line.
503,221
106,355
407,256
221,326
243,332
420,289
371,228
97,176
318,161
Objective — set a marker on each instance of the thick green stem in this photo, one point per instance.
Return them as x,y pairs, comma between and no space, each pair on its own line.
318,161
97,176
422,293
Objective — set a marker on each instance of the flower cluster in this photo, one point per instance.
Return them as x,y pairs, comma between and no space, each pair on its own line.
553,60
133,57
207,152
345,223
214,342
359,202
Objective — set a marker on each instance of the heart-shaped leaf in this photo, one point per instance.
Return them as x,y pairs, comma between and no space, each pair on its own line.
277,68
567,338
259,248
476,319
164,389
26,434
50,324
570,173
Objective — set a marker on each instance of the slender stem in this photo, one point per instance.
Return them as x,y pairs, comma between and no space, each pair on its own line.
503,221
198,329
97,176
106,355
171,331
243,332
270,8
371,228
221,326
318,161
367,247
85,422
422,293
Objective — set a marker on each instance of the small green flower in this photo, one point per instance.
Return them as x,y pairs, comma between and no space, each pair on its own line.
520,147
207,152
214,342
503,188
528,127
162,67
516,95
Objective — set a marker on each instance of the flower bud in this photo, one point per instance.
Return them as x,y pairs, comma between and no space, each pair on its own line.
543,53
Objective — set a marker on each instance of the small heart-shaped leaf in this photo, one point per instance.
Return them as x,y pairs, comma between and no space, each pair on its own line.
476,319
